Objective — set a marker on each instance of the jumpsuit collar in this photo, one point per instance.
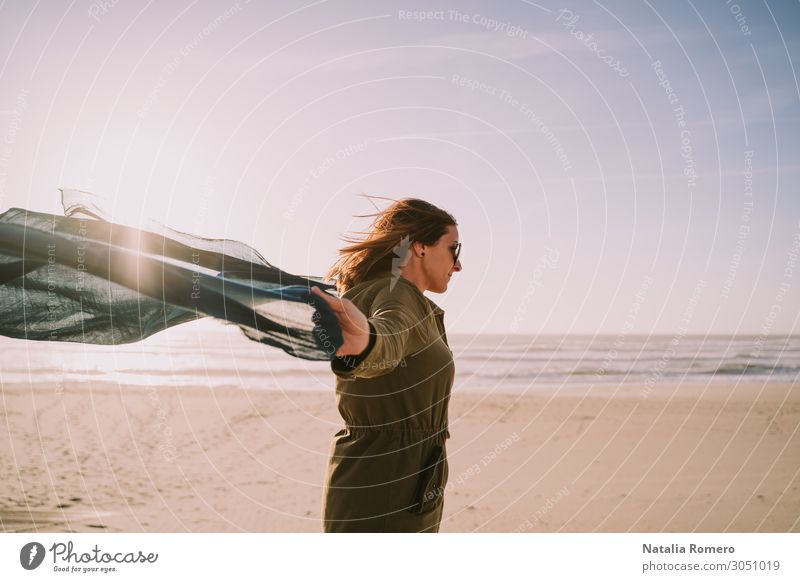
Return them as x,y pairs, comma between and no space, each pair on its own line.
436,309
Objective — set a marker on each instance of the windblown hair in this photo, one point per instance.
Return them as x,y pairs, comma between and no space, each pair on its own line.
372,256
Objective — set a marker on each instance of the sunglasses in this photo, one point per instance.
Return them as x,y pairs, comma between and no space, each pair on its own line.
456,248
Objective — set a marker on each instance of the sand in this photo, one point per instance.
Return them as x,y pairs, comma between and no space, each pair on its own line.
677,458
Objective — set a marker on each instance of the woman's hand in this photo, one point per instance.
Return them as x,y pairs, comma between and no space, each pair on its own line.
354,324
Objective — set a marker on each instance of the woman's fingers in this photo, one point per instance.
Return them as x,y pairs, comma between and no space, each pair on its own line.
336,305
334,302
337,311
355,328
319,292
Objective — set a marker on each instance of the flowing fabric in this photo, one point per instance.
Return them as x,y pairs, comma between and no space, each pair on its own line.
83,278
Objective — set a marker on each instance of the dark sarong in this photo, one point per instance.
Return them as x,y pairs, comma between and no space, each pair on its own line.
82,278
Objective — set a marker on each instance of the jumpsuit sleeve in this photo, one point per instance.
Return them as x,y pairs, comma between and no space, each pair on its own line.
351,362
396,322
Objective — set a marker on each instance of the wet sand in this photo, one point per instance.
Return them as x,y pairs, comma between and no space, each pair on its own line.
94,457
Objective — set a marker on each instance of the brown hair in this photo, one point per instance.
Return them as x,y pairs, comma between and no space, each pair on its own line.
372,256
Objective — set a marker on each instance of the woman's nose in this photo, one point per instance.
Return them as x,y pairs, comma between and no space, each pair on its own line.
457,266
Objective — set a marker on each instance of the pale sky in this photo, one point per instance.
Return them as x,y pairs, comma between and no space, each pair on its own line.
642,179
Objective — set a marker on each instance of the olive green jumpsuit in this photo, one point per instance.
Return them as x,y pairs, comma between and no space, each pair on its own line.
388,466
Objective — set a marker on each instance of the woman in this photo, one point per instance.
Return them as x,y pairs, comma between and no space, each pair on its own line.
394,372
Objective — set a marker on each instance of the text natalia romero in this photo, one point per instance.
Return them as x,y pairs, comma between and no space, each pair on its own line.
693,549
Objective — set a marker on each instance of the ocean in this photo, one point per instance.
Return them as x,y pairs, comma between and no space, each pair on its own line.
211,354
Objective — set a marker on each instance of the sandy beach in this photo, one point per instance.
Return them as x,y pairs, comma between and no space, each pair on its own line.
103,457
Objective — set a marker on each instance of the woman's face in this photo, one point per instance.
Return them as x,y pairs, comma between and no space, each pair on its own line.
438,264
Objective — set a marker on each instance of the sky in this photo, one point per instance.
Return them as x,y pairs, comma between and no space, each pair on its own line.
614,167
